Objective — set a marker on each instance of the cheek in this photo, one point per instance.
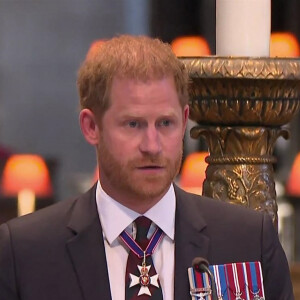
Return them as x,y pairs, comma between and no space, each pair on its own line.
120,147
173,145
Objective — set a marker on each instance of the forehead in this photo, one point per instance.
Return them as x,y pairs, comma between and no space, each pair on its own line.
126,91
149,99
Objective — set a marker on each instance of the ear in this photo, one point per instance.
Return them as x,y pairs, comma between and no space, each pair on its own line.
185,115
89,127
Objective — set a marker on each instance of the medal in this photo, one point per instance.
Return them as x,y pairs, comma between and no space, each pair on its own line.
144,279
238,293
200,293
238,296
255,285
235,281
218,283
256,296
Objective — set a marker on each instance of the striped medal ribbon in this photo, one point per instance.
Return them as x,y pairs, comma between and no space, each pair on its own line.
235,281
136,249
254,281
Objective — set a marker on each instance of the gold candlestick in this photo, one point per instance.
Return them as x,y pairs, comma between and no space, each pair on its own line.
240,105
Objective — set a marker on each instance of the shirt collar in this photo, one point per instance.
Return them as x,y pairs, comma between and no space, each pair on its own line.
115,217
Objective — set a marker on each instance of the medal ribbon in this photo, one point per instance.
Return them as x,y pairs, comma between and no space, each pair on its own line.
217,279
255,281
236,280
136,249
233,281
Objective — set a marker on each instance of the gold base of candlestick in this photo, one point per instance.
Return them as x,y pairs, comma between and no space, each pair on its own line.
240,105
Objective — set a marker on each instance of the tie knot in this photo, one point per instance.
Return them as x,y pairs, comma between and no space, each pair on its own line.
142,226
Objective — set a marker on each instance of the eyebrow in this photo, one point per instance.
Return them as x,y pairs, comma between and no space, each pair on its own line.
138,115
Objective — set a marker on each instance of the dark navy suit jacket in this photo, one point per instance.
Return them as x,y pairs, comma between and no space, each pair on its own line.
58,252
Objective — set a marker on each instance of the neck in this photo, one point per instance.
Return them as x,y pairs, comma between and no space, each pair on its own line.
138,203
139,207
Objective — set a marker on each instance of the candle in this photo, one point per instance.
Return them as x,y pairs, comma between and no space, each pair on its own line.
26,202
243,27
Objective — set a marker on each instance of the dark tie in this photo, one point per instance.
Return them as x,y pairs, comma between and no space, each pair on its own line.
131,293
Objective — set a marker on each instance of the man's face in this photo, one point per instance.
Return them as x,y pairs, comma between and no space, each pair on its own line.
140,146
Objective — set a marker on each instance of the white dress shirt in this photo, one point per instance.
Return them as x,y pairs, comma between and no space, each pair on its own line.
115,217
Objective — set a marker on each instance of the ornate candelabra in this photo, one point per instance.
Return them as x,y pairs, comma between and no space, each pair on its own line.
240,105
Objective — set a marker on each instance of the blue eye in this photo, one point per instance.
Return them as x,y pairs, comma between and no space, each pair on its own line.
165,123
133,124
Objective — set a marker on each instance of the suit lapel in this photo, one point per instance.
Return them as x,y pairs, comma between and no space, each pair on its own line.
87,253
86,249
190,240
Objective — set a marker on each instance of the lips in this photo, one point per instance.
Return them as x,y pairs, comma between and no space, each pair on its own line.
150,164
150,167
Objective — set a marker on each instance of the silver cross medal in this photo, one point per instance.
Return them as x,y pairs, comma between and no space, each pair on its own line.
257,297
201,293
144,279
238,296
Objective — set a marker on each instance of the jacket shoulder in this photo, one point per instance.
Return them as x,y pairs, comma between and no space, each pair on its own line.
216,209
52,220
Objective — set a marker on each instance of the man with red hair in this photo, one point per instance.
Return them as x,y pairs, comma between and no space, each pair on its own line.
134,234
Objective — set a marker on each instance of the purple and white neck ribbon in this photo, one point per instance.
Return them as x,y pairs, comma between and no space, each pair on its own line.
136,249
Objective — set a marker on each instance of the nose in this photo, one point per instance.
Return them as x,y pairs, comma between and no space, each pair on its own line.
151,143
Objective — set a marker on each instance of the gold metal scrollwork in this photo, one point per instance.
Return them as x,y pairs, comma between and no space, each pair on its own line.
240,105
